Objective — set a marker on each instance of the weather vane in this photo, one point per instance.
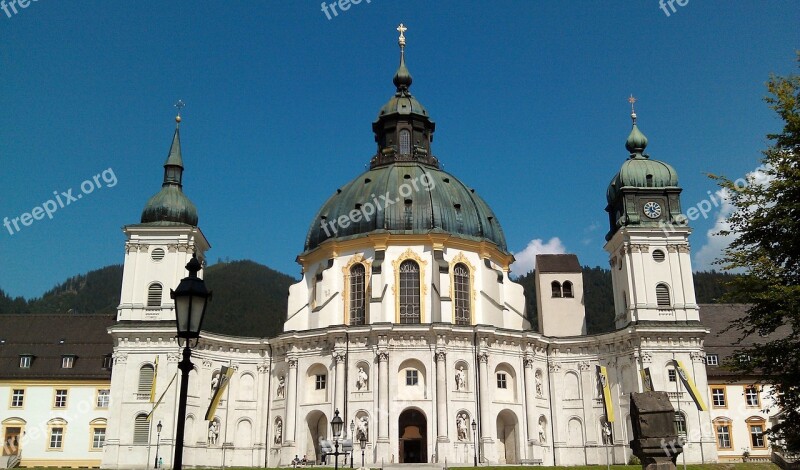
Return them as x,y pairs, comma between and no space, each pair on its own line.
402,40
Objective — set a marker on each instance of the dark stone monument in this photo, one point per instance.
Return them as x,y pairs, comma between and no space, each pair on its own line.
655,440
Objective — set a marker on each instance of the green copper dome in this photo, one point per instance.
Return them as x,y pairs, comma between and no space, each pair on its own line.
170,205
639,171
405,198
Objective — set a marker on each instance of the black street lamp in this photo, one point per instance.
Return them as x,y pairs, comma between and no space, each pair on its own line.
352,438
475,442
363,442
336,429
158,441
191,298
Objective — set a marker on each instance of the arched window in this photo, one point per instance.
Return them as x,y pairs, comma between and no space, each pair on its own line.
556,287
141,429
154,295
146,373
662,295
461,290
409,292
358,314
405,142
568,289
680,424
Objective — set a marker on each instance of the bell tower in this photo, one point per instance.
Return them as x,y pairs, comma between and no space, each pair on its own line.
158,248
648,240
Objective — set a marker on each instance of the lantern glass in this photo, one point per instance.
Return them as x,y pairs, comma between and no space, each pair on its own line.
336,425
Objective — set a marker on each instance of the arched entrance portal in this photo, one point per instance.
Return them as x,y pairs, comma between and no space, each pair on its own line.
317,430
507,437
413,440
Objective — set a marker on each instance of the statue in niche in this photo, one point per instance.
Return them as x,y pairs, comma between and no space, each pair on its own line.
214,382
539,389
461,379
362,428
606,432
278,431
462,425
542,435
281,391
362,379
213,432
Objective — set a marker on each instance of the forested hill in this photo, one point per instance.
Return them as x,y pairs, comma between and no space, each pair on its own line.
250,299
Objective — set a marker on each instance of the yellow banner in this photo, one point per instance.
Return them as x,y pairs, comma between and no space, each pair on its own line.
602,376
153,385
689,384
224,377
647,380
149,415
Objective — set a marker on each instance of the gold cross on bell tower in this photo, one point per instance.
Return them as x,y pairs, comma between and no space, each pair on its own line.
402,40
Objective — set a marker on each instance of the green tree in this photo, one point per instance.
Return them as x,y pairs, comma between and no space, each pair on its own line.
766,247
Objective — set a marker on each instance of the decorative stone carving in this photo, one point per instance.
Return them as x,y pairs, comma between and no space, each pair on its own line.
537,377
292,362
462,426
528,361
362,428
647,358
672,249
362,380
278,431
339,357
383,356
262,368
554,367
173,357
120,358
461,379
172,247
683,248
584,366
698,356
542,430
483,357
213,432
441,355
280,390
207,363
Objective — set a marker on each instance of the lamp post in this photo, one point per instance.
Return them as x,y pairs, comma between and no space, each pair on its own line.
158,441
336,429
352,439
191,298
475,442
363,442
607,439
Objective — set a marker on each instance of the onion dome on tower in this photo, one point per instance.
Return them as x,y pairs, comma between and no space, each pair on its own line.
404,191
170,206
644,192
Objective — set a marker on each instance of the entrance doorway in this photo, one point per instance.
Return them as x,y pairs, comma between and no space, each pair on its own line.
11,440
413,440
507,437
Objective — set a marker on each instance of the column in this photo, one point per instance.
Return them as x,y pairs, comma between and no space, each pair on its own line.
530,403
383,396
339,357
441,396
486,417
291,401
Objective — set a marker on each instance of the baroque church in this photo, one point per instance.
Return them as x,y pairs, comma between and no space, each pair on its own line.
407,324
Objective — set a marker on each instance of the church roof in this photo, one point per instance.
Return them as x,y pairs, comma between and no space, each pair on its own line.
50,337
558,263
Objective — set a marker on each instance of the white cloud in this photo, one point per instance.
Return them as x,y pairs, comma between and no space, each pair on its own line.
715,243
526,259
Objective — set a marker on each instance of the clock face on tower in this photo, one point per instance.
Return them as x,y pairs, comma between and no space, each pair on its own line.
652,209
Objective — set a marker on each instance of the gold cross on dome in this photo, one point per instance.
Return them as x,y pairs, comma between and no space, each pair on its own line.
632,100
402,29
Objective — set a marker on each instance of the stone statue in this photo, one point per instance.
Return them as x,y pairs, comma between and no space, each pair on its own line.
463,427
461,379
538,377
278,431
362,380
606,433
542,434
281,391
362,428
214,382
213,432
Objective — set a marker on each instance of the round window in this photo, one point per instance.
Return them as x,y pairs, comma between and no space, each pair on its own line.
157,254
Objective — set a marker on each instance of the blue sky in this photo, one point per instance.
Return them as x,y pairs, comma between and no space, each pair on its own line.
530,101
